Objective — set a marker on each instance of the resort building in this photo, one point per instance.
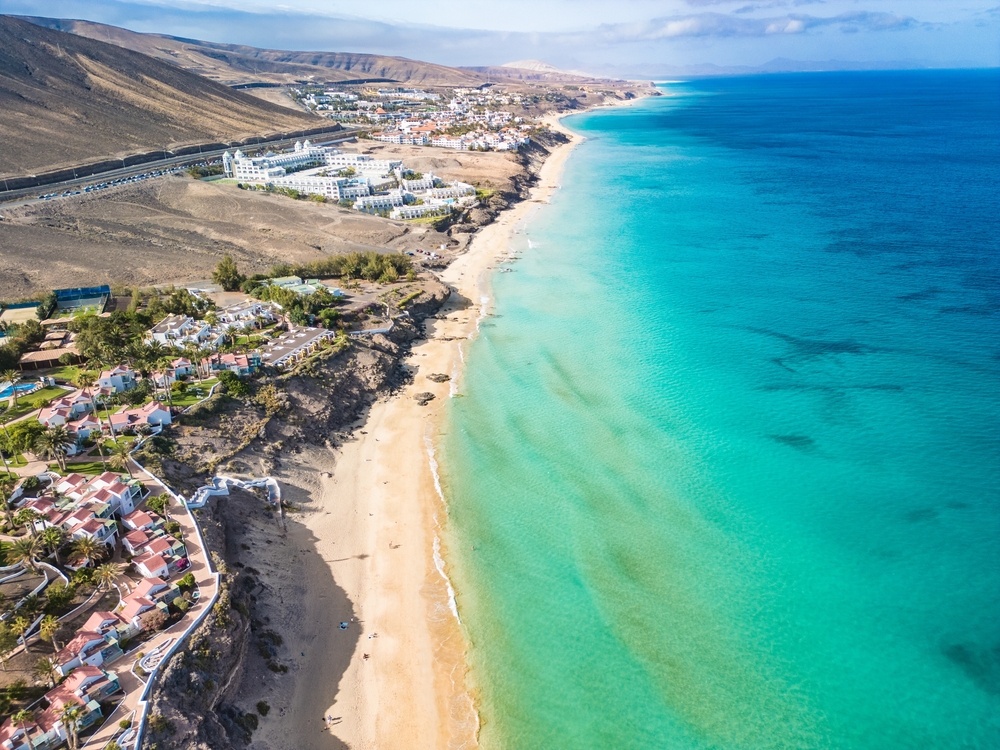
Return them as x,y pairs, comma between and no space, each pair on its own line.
85,688
241,364
179,330
153,414
416,212
294,345
117,379
246,314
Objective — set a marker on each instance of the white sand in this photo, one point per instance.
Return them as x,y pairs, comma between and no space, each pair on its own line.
377,530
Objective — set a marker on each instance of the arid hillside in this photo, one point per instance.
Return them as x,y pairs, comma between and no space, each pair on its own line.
176,229
232,63
66,99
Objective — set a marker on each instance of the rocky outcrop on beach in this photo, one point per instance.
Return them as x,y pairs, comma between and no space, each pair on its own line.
518,187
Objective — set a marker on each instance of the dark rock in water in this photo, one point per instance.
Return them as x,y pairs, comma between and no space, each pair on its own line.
423,398
438,377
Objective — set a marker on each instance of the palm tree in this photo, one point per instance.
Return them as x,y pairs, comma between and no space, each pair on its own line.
23,552
6,466
31,604
26,517
120,460
107,413
86,381
21,718
89,549
107,574
54,443
47,669
8,642
6,488
70,719
13,376
166,363
21,626
48,628
52,539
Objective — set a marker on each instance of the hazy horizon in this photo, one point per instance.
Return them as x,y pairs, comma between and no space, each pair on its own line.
632,38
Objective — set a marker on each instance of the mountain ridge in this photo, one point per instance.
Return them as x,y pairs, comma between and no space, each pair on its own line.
67,99
234,64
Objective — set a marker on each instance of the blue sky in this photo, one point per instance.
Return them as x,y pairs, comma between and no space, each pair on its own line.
604,36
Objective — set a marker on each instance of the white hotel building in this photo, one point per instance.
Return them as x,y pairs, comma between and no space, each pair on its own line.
374,185
307,169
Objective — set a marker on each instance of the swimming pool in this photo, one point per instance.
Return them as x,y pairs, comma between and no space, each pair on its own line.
5,391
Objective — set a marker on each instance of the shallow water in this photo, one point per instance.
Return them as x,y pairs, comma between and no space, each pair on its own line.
728,453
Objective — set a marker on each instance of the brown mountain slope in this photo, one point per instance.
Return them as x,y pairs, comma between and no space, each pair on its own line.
66,99
233,63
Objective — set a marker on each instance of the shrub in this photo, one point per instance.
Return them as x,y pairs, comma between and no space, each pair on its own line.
186,581
153,620
263,708
124,724
233,385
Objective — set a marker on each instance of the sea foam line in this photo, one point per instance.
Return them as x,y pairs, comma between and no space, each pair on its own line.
438,559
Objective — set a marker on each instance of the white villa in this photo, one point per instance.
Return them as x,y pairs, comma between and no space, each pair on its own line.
244,314
178,330
117,379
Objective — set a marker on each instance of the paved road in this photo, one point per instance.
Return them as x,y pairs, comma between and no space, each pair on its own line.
206,584
27,196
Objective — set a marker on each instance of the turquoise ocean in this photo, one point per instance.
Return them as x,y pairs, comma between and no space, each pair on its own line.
724,469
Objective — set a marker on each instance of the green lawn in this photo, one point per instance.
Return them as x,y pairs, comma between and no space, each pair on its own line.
26,404
109,445
16,461
194,394
67,374
83,467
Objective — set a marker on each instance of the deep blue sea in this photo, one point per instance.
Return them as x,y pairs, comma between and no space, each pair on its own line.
729,451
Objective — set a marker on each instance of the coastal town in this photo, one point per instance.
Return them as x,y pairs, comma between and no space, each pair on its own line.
465,119
205,315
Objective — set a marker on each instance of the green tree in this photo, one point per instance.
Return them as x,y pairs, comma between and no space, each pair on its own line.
22,718
21,625
120,458
6,489
23,552
159,503
55,443
22,435
52,538
88,549
70,718
59,596
86,381
12,376
47,630
107,574
8,642
233,385
227,274
46,668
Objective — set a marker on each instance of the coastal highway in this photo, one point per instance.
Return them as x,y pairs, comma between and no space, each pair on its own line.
27,196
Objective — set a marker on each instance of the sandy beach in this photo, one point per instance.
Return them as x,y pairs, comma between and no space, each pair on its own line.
375,520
